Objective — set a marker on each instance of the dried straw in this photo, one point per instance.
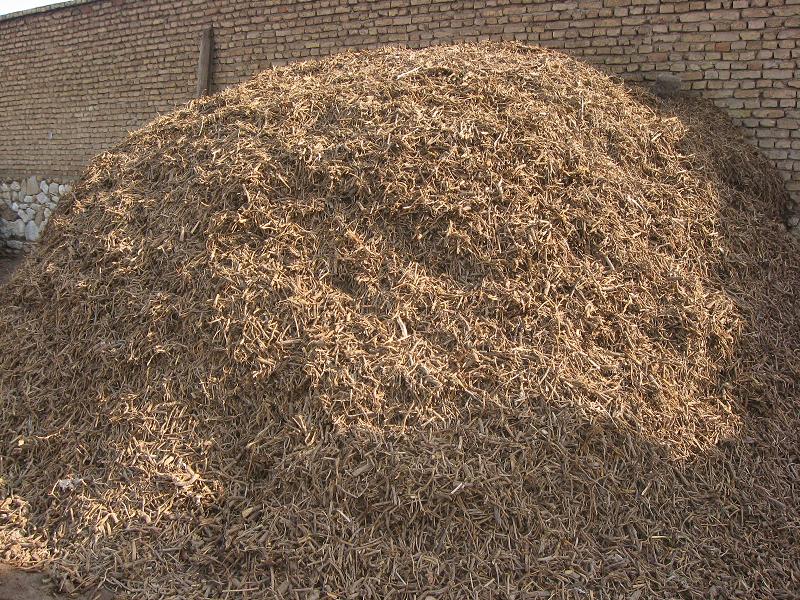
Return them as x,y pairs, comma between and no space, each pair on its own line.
467,322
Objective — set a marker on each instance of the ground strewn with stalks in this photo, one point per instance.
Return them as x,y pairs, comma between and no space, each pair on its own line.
466,322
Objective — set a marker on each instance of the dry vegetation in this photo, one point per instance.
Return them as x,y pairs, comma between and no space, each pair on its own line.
472,321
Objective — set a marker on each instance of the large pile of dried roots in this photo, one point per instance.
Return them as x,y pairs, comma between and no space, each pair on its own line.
467,322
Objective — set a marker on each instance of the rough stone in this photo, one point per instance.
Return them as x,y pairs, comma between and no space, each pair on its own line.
27,200
31,231
15,195
42,197
30,212
4,187
53,189
55,199
61,189
15,186
47,213
14,206
32,184
43,186
15,244
17,228
23,215
38,219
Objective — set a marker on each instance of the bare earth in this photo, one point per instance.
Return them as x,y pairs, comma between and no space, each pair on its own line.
18,585
7,266
21,585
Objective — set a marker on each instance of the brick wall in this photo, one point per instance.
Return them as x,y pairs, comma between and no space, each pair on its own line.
75,79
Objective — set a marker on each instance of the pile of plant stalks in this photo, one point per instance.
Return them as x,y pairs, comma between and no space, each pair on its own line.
476,321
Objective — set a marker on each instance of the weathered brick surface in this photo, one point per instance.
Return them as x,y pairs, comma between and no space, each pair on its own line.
75,79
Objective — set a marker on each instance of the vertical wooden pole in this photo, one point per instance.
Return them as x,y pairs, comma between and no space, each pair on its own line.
204,65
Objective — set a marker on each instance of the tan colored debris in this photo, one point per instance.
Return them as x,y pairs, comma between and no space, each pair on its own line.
466,322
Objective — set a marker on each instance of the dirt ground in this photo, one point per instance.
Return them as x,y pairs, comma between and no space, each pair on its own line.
19,585
7,266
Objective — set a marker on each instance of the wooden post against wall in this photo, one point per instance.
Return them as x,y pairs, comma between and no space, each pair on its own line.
204,65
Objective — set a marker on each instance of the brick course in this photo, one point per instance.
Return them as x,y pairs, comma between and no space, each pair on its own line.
76,78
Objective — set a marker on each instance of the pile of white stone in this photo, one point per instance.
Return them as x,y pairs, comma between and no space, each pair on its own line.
25,209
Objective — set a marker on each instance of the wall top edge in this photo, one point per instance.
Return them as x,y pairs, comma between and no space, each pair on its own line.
43,9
